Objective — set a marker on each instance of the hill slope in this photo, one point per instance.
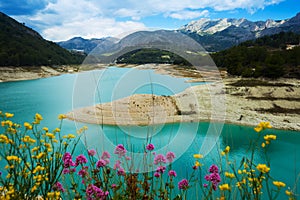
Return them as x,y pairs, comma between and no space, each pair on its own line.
22,46
270,56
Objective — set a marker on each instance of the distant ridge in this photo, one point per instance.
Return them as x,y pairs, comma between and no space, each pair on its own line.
220,34
22,46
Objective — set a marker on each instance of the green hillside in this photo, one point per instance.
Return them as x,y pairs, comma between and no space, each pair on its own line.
22,46
269,56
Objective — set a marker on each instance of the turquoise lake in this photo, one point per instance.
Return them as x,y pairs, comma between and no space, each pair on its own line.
56,95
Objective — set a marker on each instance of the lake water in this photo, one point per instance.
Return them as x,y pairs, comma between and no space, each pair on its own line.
55,95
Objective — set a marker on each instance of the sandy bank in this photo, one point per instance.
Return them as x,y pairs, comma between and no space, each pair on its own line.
247,102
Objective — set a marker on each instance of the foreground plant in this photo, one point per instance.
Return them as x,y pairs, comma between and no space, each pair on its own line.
32,158
43,163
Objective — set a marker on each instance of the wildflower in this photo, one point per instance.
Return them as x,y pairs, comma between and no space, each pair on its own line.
229,175
117,164
58,187
9,115
113,186
38,117
13,158
172,173
150,147
183,184
224,187
263,168
289,193
262,125
105,155
170,156
198,164
67,159
50,135
81,159
263,145
121,172
156,174
268,138
4,139
161,169
62,116
278,184
159,159
58,130
40,155
120,150
45,129
93,192
91,152
213,169
28,139
82,173
101,163
205,185
226,151
198,156
37,169
27,126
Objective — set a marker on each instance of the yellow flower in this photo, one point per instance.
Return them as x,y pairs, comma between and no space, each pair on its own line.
40,155
263,145
9,115
46,129
34,188
28,139
38,117
268,138
38,168
229,175
279,184
226,151
27,125
198,164
35,149
240,171
13,158
50,135
263,168
69,136
262,125
56,130
289,193
4,139
198,156
224,187
62,116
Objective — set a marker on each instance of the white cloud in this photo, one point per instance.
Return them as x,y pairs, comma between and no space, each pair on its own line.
63,19
188,14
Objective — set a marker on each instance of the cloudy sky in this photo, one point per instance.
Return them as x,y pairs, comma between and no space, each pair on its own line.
59,20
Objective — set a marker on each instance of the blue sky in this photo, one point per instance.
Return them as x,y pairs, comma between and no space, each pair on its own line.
59,20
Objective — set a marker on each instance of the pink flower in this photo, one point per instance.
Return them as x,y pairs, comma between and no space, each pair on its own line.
161,169
67,159
58,187
170,156
214,169
159,159
91,152
121,172
101,163
117,164
172,173
157,175
105,155
150,147
120,150
81,159
82,173
113,186
183,184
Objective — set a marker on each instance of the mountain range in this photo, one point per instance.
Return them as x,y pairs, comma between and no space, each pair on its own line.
214,35
220,34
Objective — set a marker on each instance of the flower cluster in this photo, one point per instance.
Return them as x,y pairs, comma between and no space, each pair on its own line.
214,177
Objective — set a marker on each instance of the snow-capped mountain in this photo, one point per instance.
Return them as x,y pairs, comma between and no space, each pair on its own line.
220,34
